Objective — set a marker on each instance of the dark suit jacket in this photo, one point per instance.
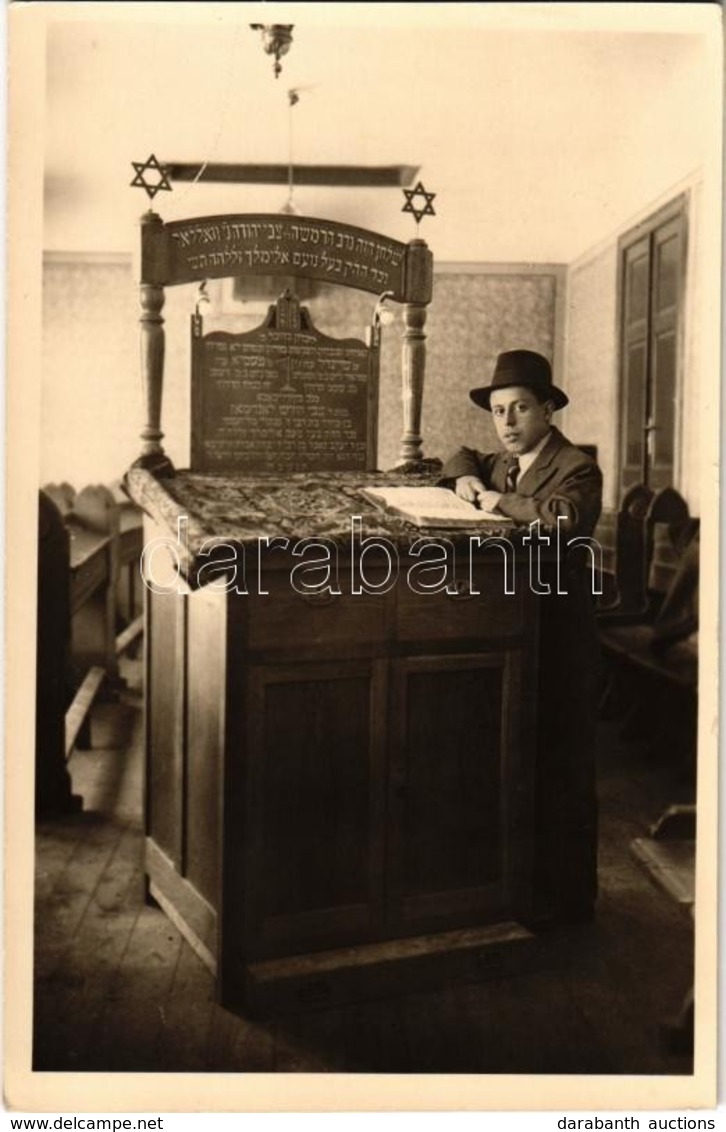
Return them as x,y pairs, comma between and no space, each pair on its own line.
562,481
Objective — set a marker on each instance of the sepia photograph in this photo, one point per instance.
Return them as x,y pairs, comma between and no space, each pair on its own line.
363,434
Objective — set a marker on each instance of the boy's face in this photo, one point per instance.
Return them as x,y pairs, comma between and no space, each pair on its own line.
519,418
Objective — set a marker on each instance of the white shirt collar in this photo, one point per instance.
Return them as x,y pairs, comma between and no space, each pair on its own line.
528,458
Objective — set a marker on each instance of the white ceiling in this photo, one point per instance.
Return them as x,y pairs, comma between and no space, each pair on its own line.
538,142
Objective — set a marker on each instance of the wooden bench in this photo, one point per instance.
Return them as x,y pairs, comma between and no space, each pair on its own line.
668,855
647,639
81,553
129,602
622,536
53,793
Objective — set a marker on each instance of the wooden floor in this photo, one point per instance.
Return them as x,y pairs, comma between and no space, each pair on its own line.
117,988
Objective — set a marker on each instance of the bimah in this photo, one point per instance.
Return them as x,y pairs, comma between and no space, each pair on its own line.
339,780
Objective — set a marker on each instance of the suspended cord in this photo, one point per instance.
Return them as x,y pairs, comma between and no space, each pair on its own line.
292,99
224,114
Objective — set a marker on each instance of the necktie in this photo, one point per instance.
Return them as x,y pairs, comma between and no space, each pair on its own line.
512,475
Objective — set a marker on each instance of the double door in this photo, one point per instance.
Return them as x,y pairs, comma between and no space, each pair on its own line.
326,775
386,797
652,273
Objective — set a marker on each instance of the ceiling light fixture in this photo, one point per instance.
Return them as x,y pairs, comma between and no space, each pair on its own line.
276,40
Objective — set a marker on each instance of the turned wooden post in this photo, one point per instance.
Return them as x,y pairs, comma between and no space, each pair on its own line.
416,295
413,367
152,371
152,355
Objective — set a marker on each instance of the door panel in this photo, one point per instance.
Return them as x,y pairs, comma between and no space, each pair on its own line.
451,833
667,266
635,360
453,828
165,697
637,286
663,412
316,813
667,269
634,443
652,282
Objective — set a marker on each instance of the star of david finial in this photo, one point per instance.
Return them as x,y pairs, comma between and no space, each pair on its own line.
419,191
152,188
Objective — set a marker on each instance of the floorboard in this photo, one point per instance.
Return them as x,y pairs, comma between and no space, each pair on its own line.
237,1044
129,1030
311,1043
187,1015
118,989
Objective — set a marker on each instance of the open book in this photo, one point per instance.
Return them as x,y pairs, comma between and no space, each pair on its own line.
432,507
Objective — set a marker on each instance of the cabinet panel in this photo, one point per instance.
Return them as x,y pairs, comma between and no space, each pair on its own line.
165,692
316,804
479,608
284,618
206,665
327,778
450,830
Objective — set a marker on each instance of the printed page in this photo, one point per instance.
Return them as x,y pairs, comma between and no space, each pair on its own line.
431,506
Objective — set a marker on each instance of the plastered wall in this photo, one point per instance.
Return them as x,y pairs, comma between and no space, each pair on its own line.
91,394
591,361
591,352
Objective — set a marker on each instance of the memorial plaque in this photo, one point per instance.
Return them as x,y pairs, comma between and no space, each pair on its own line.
282,398
285,245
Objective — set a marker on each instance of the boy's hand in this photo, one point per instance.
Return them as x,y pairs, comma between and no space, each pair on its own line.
470,488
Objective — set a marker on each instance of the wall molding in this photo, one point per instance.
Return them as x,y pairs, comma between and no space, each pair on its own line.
444,267
90,259
492,270
455,267
684,186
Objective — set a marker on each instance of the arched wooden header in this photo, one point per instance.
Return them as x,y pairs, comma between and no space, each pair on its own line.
211,247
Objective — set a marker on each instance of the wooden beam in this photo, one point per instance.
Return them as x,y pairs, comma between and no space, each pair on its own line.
130,633
81,706
671,864
356,176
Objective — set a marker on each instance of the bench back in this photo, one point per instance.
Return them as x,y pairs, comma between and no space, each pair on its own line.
668,528
631,552
625,559
651,531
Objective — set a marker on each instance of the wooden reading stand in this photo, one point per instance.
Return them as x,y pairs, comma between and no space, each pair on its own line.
339,785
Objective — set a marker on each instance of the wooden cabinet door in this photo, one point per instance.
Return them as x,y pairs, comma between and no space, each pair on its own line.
165,646
634,375
315,784
668,265
652,285
459,788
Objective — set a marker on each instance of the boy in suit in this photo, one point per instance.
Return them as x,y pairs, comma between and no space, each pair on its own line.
539,476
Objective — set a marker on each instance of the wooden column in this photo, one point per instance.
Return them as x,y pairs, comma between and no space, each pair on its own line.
152,377
416,295
413,366
152,357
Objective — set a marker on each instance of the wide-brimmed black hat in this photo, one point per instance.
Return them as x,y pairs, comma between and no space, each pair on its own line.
521,367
